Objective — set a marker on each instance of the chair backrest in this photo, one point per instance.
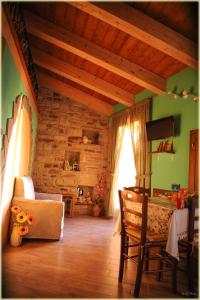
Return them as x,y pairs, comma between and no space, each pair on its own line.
192,204
24,187
138,189
134,207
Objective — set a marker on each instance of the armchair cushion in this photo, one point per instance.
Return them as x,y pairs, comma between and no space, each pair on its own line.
46,196
24,187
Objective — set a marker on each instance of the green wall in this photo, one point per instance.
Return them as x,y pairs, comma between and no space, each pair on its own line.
167,168
11,87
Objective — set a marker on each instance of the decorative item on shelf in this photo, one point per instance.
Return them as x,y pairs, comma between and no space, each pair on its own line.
182,196
80,194
80,191
175,187
20,225
179,197
75,166
84,195
90,136
88,198
72,159
184,94
80,198
168,146
85,139
66,166
160,147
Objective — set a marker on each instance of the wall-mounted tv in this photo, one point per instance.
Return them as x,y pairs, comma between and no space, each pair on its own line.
160,128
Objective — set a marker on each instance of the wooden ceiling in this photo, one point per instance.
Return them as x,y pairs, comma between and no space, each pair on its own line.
102,54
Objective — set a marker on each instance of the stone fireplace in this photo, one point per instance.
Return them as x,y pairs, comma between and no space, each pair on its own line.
71,148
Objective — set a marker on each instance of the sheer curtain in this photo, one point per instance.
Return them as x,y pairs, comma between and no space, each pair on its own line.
17,156
126,167
118,129
141,147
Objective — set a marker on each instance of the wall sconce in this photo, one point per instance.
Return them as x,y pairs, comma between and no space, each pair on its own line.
184,94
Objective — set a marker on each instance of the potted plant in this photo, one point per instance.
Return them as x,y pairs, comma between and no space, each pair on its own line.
98,206
99,195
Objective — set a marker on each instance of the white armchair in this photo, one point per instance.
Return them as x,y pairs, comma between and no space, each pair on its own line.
46,209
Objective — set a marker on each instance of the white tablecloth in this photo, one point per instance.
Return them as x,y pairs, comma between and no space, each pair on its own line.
177,230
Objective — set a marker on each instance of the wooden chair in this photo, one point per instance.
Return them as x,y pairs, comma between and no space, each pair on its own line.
187,245
138,189
134,233
147,191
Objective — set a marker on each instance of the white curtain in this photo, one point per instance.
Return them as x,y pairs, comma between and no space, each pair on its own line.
134,120
17,158
118,128
126,167
141,147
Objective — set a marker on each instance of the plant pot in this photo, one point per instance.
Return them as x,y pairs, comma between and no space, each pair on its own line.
96,210
15,238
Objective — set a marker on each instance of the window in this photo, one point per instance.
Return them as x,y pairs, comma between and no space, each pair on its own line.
19,148
126,165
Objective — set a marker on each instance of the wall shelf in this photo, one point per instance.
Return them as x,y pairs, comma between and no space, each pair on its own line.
70,171
159,152
72,161
90,136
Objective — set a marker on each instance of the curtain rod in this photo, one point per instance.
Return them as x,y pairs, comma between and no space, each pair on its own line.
129,109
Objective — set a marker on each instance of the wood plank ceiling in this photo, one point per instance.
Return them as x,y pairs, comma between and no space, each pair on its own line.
102,54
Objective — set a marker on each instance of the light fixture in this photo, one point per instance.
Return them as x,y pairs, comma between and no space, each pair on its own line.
175,96
196,99
184,94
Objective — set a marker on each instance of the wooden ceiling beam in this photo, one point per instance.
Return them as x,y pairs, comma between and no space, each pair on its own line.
80,76
71,42
144,28
65,89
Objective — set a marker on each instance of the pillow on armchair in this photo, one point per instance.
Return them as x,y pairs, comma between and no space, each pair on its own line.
24,187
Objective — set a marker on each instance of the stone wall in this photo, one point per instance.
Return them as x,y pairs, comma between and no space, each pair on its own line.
62,123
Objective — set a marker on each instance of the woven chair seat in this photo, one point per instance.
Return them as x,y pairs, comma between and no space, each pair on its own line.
150,237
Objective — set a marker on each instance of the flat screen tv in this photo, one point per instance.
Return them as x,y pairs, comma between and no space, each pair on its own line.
160,128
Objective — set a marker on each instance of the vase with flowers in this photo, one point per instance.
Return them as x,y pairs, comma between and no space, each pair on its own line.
99,195
21,220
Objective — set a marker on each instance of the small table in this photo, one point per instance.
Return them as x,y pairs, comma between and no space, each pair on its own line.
70,197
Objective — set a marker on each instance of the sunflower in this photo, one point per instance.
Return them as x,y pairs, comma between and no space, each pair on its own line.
21,217
30,220
15,209
23,230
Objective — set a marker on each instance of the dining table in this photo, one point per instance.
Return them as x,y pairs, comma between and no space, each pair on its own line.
163,218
